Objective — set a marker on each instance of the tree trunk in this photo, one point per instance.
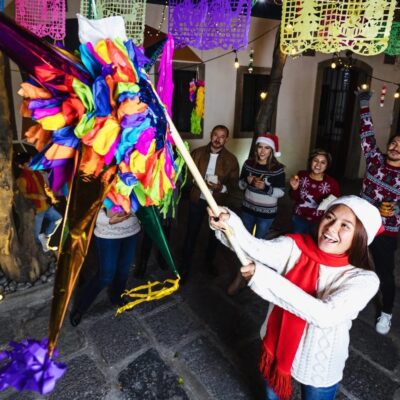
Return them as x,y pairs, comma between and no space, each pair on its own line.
20,258
268,107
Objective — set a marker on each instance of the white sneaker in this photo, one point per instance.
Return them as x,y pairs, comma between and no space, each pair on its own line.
44,241
384,323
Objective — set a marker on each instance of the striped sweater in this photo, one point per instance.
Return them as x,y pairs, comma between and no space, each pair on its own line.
262,203
381,181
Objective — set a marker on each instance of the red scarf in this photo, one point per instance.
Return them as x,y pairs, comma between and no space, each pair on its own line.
285,330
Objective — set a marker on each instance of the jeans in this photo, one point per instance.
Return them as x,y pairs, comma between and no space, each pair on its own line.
308,392
54,219
115,257
382,250
197,212
301,225
262,224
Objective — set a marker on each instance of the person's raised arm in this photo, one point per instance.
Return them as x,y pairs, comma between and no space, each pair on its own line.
294,191
368,142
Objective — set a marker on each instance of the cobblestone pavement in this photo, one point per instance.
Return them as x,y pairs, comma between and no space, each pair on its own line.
197,344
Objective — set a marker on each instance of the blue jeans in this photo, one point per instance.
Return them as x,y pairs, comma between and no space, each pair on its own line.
308,392
115,257
301,225
54,219
262,224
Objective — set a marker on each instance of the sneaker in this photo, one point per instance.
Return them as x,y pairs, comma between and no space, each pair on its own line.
384,323
44,241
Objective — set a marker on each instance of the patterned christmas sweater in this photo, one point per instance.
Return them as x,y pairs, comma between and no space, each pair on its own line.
310,194
262,203
381,181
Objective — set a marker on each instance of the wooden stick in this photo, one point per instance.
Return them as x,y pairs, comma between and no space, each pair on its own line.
204,188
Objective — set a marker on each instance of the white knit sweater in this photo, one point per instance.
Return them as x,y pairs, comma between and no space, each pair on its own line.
342,292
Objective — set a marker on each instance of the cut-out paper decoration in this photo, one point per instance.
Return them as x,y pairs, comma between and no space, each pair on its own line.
42,17
165,84
393,48
205,24
196,96
133,13
328,26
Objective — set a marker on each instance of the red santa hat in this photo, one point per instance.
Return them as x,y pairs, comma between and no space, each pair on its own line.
270,140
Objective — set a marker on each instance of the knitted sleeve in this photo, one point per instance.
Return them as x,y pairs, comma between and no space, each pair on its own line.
273,253
277,184
243,176
367,135
295,194
339,306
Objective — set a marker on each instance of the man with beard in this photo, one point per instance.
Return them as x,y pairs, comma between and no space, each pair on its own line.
220,169
381,187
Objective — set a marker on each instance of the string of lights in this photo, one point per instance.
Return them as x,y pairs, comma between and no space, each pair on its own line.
348,61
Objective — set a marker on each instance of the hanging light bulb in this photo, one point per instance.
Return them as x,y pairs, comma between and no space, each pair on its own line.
263,95
251,59
335,61
364,86
236,64
397,94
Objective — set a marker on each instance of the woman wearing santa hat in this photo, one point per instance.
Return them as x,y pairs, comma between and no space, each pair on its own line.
263,180
315,287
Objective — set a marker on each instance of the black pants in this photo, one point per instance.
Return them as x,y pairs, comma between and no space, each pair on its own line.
197,212
382,250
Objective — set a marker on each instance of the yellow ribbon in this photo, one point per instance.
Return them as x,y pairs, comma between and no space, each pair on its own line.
169,286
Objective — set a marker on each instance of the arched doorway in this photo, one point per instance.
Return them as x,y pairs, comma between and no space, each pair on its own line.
336,120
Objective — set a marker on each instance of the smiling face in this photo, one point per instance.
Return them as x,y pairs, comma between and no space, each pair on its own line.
319,164
263,153
336,230
218,139
393,152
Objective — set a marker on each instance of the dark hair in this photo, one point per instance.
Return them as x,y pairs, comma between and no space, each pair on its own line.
272,162
223,127
358,252
391,138
22,158
320,152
